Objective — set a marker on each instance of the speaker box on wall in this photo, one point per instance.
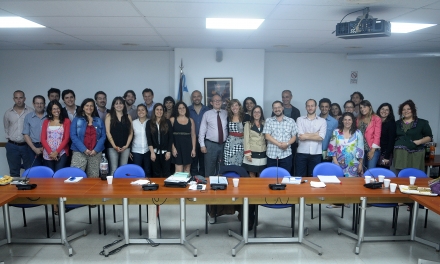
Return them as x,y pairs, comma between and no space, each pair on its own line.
219,56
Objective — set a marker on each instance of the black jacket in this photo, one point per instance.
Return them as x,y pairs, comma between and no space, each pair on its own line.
166,139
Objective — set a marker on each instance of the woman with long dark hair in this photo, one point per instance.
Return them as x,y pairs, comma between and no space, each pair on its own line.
55,136
233,151
160,140
254,160
119,130
184,138
139,148
336,111
412,133
387,135
87,132
168,103
248,104
347,146
371,127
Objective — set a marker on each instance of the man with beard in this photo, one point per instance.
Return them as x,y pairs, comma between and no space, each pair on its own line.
196,111
32,131
311,132
101,104
130,98
280,132
332,124
53,94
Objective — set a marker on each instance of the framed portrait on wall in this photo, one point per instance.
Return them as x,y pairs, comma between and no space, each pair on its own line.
219,86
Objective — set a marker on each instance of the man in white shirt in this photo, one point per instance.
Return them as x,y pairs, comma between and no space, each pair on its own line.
311,132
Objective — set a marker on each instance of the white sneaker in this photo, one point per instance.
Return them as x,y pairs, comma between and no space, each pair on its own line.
211,220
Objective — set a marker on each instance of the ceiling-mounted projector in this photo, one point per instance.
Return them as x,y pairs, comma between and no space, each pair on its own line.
365,26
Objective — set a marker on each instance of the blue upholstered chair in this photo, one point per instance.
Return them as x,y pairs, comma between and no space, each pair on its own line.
36,172
406,173
375,172
273,172
326,169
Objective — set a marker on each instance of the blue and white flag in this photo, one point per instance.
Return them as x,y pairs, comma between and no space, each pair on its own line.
183,91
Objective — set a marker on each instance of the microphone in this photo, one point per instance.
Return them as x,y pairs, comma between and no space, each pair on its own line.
25,183
372,185
218,185
278,186
146,187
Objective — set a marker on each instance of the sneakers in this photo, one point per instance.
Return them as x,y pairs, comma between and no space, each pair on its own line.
211,220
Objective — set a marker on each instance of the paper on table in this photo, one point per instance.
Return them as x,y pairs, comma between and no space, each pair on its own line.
329,179
73,179
291,180
140,182
317,184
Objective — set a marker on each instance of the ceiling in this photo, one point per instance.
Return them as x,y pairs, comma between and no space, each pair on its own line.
302,26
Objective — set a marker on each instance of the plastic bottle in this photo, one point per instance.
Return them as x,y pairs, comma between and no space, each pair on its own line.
103,167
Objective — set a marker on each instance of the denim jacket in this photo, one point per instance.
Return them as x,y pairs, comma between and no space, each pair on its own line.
78,130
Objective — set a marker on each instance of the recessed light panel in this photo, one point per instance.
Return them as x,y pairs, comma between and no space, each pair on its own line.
408,27
18,22
233,23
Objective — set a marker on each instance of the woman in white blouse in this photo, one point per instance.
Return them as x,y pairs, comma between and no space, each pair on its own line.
139,149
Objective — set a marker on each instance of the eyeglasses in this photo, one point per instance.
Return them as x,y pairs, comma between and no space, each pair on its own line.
216,101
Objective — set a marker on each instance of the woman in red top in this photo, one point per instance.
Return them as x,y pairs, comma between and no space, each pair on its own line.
371,127
55,135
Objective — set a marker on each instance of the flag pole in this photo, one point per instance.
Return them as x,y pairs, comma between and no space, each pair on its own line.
180,82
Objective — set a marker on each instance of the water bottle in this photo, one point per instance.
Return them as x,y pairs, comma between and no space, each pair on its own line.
103,167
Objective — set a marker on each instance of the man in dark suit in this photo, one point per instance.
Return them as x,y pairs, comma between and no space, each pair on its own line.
292,112
71,108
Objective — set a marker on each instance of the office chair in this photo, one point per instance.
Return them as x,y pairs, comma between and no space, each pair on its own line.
135,172
74,172
375,172
405,173
228,171
326,169
273,172
36,172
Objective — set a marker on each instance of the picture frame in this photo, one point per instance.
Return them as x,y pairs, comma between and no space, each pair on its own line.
221,86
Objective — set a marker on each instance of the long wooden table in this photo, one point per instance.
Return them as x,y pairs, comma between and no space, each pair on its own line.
250,191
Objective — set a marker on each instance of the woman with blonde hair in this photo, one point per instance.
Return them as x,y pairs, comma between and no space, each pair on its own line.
371,127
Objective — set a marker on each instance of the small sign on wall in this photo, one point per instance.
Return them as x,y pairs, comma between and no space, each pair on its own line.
354,77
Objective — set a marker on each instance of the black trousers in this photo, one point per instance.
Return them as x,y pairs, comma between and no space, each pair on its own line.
161,167
198,162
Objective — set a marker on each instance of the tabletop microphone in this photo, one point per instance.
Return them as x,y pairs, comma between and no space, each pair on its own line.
146,187
372,185
278,186
218,185
25,183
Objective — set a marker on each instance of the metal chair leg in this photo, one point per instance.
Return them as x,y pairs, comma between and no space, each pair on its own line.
99,219
90,214
426,218
114,214
319,216
47,221
140,220
24,217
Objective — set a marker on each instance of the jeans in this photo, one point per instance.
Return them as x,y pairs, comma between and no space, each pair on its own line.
143,160
373,162
56,164
305,163
31,156
213,155
14,155
285,163
198,162
117,159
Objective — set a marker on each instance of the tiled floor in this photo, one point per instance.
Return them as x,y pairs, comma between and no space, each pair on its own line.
215,247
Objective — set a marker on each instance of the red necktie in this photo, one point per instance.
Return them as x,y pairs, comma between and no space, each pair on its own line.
220,128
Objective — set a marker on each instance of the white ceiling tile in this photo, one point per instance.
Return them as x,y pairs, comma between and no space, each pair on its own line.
162,22
434,6
69,8
428,16
90,21
160,9
120,39
108,31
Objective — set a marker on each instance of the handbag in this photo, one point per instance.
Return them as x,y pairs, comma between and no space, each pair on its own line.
435,185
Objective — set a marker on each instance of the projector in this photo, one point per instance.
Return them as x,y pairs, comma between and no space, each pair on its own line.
363,28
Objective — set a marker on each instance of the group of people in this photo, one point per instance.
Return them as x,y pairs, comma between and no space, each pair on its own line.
172,137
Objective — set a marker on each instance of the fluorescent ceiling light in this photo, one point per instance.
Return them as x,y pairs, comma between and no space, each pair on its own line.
233,23
17,22
408,27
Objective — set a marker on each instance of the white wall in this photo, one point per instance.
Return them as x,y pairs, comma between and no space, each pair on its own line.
254,72
246,67
380,80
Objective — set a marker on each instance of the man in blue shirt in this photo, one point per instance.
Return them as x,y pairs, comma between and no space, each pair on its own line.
332,124
196,111
32,131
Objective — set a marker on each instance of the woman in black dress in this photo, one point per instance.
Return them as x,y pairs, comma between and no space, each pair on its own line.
387,135
184,138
